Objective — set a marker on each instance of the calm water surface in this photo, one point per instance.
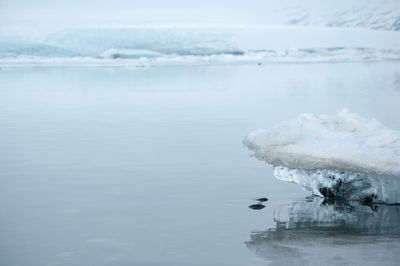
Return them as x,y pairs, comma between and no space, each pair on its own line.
145,166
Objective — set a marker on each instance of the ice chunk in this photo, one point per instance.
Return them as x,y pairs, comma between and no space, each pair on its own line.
345,185
128,54
343,155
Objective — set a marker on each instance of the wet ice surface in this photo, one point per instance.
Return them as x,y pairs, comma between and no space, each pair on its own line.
144,166
345,185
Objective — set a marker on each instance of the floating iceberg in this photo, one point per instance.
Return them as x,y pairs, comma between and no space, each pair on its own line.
340,156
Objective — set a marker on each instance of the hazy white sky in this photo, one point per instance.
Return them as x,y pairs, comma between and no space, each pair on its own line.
124,11
78,12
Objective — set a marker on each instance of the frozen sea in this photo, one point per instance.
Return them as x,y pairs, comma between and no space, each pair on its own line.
145,166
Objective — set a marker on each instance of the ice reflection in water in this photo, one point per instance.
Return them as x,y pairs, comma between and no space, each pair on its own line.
314,232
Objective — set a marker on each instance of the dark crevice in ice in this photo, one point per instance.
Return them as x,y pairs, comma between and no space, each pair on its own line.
346,185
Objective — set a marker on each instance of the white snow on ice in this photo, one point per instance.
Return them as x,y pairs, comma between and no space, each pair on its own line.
345,153
371,14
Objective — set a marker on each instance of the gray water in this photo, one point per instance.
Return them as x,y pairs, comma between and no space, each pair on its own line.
145,166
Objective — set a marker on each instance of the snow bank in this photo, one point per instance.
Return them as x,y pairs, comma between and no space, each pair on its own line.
343,155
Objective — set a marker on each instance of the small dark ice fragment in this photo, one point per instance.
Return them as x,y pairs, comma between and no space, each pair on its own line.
262,199
256,206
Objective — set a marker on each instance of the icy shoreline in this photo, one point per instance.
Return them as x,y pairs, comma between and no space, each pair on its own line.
138,58
341,156
194,45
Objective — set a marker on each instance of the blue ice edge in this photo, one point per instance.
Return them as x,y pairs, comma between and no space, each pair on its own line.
343,184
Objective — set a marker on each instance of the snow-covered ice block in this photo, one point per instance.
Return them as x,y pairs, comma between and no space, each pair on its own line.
340,156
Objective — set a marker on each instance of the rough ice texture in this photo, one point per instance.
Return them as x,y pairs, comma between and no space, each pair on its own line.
372,14
344,185
343,155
